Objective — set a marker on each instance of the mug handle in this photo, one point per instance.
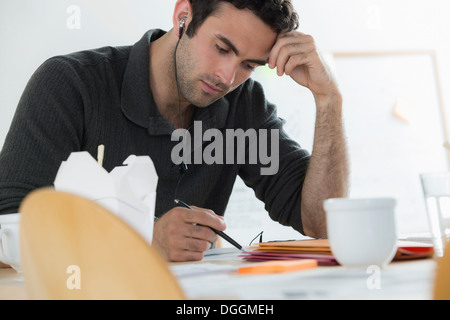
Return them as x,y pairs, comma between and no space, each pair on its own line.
3,257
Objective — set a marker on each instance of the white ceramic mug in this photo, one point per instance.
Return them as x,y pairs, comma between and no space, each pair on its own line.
9,240
362,231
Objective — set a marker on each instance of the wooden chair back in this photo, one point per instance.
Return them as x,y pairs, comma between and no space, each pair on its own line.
73,248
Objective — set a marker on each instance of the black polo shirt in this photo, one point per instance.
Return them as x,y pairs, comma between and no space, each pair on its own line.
81,100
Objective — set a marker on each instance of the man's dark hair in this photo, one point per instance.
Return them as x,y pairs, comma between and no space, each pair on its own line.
278,14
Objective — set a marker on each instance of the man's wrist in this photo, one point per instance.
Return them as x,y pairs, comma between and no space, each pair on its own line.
332,101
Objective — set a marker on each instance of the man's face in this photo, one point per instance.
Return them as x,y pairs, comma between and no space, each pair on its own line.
222,54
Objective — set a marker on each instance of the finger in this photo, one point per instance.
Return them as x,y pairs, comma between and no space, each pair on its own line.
181,255
197,245
200,232
180,243
192,244
205,217
186,249
286,39
281,41
296,61
290,50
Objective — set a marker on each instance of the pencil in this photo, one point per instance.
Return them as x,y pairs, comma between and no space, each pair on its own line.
220,233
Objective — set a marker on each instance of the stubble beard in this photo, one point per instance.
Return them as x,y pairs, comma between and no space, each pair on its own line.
190,83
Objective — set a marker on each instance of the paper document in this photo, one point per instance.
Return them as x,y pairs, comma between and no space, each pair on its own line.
201,269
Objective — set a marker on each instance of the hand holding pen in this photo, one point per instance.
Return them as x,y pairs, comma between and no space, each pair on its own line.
180,234
220,233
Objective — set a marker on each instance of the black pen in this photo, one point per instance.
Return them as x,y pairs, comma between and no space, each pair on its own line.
220,233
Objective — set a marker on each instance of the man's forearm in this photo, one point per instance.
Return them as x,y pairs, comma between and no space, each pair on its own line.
295,54
328,171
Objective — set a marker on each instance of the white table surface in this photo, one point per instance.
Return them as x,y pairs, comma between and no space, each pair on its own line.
216,277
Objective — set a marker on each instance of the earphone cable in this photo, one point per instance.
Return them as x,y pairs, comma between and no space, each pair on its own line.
176,80
179,106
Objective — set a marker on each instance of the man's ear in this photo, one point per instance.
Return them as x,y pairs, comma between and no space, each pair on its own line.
183,9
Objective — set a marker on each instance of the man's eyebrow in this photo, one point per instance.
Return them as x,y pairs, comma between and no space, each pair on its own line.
257,61
233,48
228,43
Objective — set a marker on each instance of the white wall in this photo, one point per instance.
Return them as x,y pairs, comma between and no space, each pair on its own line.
32,31
354,26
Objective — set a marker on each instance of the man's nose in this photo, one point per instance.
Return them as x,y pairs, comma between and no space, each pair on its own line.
227,73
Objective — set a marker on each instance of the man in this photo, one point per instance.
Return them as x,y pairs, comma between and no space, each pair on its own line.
132,98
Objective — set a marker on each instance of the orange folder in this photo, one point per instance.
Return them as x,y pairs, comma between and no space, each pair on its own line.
299,246
279,266
318,248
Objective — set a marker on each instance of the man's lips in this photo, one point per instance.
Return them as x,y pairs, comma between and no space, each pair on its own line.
213,90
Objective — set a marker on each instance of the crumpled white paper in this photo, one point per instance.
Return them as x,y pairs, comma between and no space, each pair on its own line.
128,191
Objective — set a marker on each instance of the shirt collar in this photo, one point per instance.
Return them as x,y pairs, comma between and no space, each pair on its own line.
137,99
